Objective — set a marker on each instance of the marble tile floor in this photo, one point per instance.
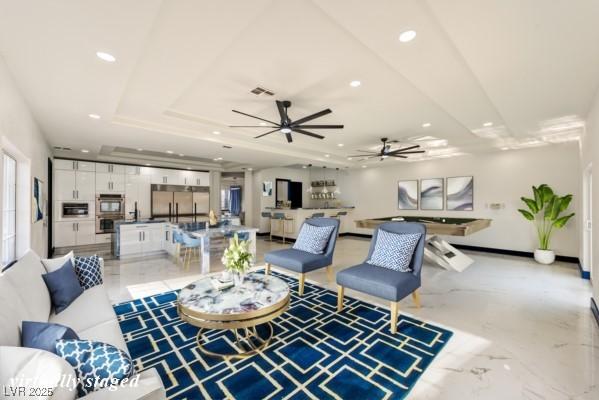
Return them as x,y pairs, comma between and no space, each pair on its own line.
521,330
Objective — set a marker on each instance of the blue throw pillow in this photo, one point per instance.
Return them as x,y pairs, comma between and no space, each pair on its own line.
313,239
96,364
43,335
394,250
88,271
63,285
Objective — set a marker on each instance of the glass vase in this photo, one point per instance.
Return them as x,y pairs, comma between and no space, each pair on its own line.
238,278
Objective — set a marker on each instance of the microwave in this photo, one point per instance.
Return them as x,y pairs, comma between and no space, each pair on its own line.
110,204
75,210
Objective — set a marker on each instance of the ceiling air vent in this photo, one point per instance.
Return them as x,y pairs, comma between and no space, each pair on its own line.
260,90
62,148
225,146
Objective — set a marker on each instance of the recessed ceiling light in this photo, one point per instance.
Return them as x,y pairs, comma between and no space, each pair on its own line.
304,167
216,132
84,151
140,149
327,155
505,148
263,123
340,145
106,56
487,124
426,125
147,165
349,158
407,36
170,152
188,167
250,169
181,155
363,166
355,83
218,158
93,116
285,130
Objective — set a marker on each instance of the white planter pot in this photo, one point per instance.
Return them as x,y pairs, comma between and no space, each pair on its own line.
544,256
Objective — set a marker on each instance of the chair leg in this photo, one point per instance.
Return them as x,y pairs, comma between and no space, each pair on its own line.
339,298
330,273
267,269
302,278
416,298
394,312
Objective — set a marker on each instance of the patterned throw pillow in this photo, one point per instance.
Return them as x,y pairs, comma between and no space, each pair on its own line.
394,250
88,271
313,239
96,364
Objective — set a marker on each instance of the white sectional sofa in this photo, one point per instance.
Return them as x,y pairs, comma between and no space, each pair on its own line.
24,296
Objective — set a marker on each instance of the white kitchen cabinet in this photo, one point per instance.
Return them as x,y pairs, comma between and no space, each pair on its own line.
103,238
138,189
110,168
165,177
74,185
77,233
73,165
110,182
169,241
139,239
132,170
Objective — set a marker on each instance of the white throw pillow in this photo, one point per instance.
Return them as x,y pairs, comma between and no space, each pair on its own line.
52,264
313,239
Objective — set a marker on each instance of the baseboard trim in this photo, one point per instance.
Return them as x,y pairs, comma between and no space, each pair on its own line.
358,235
595,310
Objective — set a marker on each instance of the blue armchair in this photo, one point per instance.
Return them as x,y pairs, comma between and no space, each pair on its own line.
384,282
303,262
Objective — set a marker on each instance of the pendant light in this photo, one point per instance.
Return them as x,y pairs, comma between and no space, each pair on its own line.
324,174
309,190
337,188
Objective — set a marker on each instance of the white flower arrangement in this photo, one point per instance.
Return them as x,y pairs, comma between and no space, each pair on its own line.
237,257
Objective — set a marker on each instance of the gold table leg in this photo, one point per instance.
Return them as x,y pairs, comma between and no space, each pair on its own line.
247,344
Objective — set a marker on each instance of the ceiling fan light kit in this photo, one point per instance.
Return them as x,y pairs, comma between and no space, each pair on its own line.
287,126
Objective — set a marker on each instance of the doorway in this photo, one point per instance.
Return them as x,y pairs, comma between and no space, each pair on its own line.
587,218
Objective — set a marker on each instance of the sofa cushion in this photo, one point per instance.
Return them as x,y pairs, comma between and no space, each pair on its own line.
26,277
11,317
313,239
43,335
106,332
91,308
40,369
63,285
296,260
96,364
88,271
394,250
52,264
378,281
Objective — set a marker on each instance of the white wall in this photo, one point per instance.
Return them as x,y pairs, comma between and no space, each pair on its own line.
589,154
21,136
499,177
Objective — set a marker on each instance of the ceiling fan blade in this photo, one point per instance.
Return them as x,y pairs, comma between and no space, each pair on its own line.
282,112
367,151
251,126
392,141
311,117
289,138
303,132
267,133
410,152
319,126
253,116
406,148
365,155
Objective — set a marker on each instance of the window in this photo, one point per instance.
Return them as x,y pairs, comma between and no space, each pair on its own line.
9,210
225,199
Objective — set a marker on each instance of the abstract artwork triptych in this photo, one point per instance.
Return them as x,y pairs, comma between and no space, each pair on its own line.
452,194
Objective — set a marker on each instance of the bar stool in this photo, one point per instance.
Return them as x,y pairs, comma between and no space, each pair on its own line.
338,216
269,216
192,245
179,243
318,215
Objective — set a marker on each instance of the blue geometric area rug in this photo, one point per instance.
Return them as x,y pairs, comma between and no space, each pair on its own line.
315,351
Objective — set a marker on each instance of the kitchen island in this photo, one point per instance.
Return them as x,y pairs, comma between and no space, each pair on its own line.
295,218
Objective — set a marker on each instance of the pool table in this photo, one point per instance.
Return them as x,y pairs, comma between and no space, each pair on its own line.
434,225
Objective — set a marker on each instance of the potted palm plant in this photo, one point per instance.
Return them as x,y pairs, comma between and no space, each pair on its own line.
545,210
237,258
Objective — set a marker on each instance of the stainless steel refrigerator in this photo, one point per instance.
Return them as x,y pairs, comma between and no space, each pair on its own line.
180,203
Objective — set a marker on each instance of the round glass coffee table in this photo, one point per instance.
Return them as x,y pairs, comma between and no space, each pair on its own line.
246,310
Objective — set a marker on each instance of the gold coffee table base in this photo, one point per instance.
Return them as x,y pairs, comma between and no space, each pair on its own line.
249,343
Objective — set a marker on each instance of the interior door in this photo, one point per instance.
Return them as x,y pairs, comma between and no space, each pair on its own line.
295,194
